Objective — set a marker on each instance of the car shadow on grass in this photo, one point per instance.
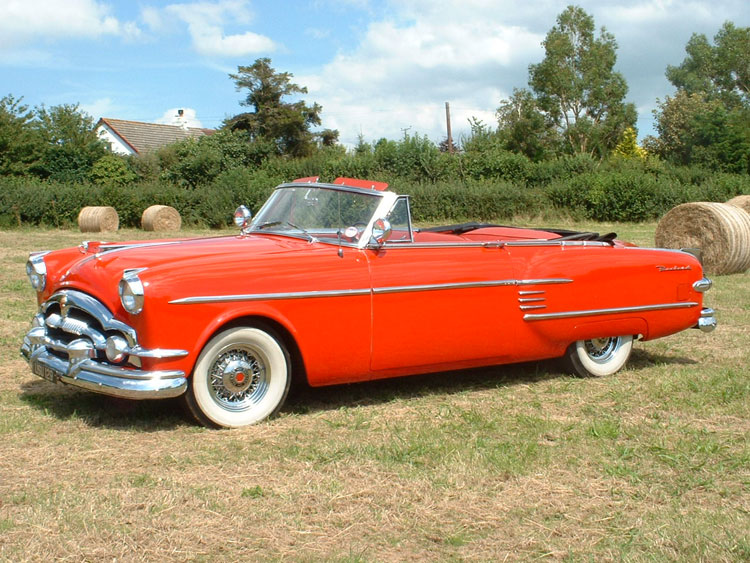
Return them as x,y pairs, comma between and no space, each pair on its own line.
66,403
307,399
93,409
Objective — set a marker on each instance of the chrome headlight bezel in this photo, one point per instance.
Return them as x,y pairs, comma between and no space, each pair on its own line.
36,270
131,291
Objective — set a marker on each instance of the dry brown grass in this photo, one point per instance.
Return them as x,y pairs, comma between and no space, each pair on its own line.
501,464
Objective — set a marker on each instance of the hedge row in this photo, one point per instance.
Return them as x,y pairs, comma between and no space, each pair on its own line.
601,194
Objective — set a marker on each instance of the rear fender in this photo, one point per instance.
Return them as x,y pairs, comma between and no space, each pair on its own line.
635,326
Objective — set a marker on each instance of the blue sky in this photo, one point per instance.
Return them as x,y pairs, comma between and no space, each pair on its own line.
377,68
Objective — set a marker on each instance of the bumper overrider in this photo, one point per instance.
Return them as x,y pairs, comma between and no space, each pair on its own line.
75,340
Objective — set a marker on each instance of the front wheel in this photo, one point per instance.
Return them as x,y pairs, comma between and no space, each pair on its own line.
598,357
241,377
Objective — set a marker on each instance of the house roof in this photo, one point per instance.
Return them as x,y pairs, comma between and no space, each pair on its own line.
145,137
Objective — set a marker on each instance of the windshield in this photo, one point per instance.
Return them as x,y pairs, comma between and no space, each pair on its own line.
317,213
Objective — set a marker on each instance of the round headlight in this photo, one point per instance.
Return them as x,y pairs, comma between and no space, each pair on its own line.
36,270
131,292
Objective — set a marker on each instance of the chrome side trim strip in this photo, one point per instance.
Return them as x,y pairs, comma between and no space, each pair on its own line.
493,244
393,245
545,281
535,292
554,242
356,292
269,296
613,311
442,286
532,307
531,299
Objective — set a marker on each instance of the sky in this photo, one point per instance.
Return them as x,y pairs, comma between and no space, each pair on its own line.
378,69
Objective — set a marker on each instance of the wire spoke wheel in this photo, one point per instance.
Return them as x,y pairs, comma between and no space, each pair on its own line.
237,379
242,377
598,357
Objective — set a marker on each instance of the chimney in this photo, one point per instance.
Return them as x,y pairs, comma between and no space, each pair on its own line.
181,119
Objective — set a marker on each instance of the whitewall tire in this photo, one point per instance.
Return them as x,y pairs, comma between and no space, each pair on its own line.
242,377
600,356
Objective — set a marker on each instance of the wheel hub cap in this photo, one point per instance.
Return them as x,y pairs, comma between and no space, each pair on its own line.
601,349
237,379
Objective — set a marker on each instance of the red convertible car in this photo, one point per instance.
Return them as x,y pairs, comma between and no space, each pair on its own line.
333,283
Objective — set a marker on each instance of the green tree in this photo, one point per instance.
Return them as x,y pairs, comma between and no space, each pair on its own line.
524,127
721,70
286,124
707,121
696,129
628,146
577,88
21,145
72,145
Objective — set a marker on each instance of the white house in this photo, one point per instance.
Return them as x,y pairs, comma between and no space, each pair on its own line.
135,137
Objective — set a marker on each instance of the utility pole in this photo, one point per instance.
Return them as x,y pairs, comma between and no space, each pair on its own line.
448,124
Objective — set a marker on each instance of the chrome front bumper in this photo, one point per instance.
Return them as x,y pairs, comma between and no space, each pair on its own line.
102,378
68,350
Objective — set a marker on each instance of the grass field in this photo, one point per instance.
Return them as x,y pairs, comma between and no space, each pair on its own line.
506,463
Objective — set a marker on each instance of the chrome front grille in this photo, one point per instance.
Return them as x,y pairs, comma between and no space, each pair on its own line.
68,343
75,325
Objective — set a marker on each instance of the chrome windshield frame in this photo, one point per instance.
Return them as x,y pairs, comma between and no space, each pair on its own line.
387,200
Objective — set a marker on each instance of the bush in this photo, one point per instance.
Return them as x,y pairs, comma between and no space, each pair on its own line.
477,200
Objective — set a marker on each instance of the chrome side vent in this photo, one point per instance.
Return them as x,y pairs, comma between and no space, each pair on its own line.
531,300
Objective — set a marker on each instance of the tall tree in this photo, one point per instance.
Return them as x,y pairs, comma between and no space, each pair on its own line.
21,146
285,123
721,70
707,121
577,87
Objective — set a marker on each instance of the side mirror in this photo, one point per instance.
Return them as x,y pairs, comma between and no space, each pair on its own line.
381,231
242,218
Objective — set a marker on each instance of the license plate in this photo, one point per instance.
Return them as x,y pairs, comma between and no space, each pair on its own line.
45,372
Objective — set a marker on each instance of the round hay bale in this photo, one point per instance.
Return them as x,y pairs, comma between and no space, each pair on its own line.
98,219
741,201
161,218
721,231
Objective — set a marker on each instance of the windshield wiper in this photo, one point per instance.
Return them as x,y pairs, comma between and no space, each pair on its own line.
292,225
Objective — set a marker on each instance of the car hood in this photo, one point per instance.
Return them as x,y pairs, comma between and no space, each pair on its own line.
191,261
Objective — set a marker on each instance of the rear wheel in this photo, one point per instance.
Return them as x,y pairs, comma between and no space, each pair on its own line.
241,377
598,357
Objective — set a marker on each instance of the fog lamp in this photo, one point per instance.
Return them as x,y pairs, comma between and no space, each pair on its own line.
117,349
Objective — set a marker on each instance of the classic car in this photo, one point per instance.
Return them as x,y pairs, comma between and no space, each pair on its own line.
332,283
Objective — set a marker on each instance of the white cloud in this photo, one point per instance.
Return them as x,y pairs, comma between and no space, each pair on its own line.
472,53
206,21
26,21
173,117
405,68
102,107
